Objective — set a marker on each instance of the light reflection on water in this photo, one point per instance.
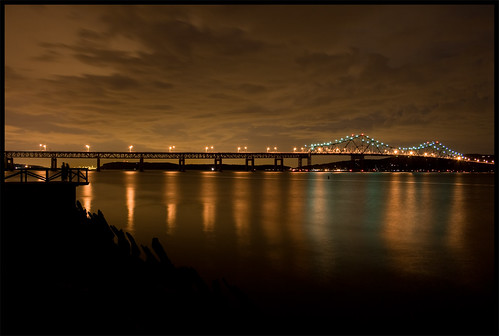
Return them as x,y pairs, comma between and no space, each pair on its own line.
289,232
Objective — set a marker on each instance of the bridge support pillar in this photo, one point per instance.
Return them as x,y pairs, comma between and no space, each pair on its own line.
218,163
181,163
252,159
9,163
279,163
141,164
300,164
53,163
98,164
357,161
309,159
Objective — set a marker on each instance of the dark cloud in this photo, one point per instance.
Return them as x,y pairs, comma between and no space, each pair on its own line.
252,88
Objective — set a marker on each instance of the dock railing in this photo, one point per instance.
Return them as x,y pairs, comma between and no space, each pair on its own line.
74,175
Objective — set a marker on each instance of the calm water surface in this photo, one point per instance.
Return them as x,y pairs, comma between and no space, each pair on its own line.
297,242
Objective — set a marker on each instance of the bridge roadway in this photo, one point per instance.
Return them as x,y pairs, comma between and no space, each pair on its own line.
180,156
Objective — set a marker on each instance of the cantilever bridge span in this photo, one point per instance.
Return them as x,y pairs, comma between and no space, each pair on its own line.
356,146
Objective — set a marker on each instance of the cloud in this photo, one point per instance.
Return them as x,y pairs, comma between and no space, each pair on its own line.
193,75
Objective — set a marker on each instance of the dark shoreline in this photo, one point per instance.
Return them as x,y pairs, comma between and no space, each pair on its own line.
67,272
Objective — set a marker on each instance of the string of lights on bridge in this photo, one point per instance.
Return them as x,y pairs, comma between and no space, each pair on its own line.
363,144
357,144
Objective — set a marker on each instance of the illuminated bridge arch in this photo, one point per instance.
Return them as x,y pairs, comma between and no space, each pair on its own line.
363,144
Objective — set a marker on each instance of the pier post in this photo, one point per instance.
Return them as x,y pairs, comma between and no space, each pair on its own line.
53,163
98,164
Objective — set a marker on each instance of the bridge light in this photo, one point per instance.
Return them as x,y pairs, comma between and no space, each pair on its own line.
206,149
275,149
88,148
268,148
130,148
294,149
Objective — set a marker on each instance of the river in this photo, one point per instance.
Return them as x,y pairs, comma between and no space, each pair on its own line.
319,244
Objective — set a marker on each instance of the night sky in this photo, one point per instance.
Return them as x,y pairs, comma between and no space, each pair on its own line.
247,75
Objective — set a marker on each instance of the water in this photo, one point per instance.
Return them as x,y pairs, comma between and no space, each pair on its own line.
308,243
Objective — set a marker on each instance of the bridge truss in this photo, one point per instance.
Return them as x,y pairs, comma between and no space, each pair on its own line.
364,145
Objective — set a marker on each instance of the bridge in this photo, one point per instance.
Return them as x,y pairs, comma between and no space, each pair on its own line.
356,146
